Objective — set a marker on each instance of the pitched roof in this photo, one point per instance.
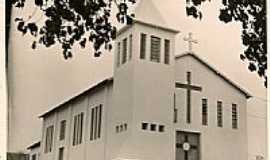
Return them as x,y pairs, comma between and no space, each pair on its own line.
126,27
146,11
91,88
34,145
105,81
211,68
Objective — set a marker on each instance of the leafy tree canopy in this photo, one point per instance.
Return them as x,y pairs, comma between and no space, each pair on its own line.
252,15
81,21
71,21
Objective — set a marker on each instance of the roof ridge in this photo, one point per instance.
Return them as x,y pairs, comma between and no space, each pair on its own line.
110,79
222,75
146,11
104,81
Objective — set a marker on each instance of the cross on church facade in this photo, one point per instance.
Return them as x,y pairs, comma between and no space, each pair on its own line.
189,87
190,41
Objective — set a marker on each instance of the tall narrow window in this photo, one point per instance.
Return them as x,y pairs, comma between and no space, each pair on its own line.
75,130
234,116
143,46
130,46
155,49
62,130
81,129
92,124
124,52
175,115
96,122
204,112
219,114
167,51
188,117
118,54
78,129
61,153
49,139
99,121
34,157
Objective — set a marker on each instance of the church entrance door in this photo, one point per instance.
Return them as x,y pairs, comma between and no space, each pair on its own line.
187,145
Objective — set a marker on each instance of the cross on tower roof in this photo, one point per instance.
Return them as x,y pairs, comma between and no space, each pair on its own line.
190,40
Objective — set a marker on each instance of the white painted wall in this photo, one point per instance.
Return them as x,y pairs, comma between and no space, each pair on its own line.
87,149
153,99
216,143
121,110
142,91
256,116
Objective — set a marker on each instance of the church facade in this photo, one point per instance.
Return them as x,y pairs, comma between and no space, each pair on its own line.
157,106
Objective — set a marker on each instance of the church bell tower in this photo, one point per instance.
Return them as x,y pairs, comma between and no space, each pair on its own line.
144,86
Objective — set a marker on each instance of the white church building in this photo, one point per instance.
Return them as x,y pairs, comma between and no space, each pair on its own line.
157,106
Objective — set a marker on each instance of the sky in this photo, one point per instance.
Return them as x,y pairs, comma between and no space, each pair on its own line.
39,79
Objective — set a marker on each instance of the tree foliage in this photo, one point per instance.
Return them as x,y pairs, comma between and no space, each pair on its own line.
75,21
252,16
81,21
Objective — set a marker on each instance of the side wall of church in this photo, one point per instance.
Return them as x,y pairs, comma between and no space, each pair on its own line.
88,149
222,143
96,149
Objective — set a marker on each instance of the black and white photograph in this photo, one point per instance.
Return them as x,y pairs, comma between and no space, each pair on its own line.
134,80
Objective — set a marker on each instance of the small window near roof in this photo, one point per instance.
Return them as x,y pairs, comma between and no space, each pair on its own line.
161,128
144,126
153,127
